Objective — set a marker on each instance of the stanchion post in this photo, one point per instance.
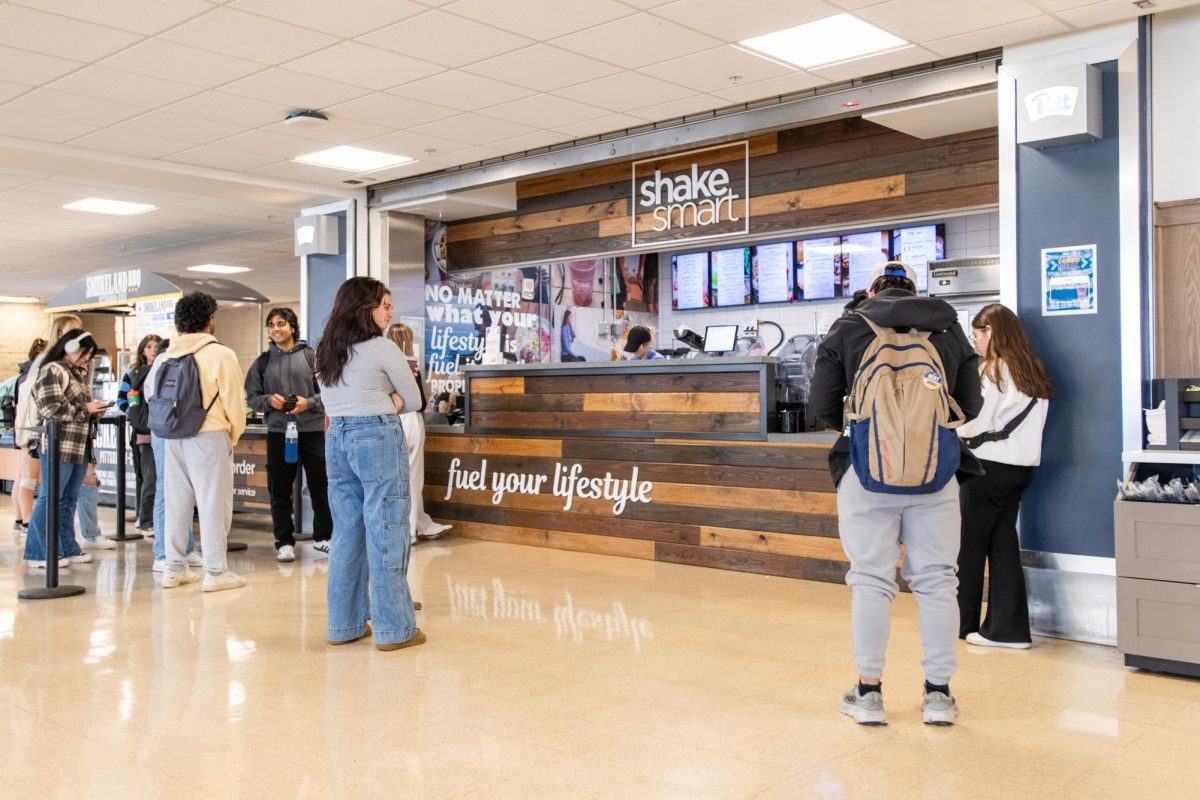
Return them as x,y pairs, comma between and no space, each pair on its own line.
122,446
51,490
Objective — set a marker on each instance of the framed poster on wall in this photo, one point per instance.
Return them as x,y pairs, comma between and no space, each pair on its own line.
1069,280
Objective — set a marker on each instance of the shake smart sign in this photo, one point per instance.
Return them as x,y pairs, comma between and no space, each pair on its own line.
700,194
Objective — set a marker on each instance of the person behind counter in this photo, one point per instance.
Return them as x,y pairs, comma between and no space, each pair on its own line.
638,343
359,370
1007,439
281,386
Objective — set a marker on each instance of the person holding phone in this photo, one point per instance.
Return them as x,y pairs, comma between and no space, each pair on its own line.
281,386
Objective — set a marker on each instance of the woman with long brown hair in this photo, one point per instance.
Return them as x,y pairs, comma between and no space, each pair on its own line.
131,393
1007,439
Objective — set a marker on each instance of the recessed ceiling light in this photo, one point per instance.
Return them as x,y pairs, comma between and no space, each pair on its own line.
826,41
10,299
353,159
218,269
98,205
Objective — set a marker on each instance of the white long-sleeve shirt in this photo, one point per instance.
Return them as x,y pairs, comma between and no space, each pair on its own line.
1023,448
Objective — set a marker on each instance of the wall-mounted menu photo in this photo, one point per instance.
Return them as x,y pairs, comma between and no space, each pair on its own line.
861,254
819,268
917,246
730,270
771,273
689,281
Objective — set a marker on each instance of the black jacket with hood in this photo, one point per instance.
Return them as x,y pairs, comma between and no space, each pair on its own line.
842,350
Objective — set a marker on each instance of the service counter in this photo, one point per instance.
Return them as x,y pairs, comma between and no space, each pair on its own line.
665,460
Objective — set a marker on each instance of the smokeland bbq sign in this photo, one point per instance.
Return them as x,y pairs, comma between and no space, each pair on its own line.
691,196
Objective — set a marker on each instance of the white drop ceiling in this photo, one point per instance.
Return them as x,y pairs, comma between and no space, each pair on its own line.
180,103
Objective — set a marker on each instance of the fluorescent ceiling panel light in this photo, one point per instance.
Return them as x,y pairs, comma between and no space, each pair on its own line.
9,299
353,159
218,269
827,41
98,205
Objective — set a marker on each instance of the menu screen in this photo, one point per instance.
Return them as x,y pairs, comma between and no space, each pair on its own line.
689,281
731,277
771,273
819,268
862,253
917,246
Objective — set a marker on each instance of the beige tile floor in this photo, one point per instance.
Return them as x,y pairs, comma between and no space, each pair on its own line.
547,674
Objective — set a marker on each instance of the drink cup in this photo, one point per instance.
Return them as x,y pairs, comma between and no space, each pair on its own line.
583,278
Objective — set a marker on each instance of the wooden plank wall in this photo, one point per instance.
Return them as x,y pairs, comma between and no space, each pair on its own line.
754,507
1177,289
637,401
835,173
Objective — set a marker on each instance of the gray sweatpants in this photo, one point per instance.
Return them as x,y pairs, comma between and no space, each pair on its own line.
873,526
199,472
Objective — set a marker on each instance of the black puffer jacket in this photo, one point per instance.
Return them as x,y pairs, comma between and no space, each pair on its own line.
842,350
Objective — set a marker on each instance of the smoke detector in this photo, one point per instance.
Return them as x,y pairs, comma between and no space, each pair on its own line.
305,118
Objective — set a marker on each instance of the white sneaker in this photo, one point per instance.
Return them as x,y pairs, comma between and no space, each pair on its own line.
63,563
172,579
285,554
983,641
938,708
433,531
160,565
226,580
321,549
20,529
82,558
864,709
100,543
194,559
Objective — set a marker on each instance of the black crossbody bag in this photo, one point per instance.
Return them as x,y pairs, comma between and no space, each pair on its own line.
972,442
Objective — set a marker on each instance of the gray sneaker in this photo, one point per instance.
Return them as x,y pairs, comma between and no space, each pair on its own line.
864,709
938,708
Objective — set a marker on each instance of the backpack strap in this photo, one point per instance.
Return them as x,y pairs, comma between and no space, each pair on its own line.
999,436
260,365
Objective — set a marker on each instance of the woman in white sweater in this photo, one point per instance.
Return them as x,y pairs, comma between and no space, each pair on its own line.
1007,438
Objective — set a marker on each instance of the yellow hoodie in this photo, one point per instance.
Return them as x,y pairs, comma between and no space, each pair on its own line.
220,377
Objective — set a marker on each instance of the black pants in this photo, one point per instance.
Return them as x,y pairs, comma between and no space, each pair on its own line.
147,481
138,479
281,479
989,533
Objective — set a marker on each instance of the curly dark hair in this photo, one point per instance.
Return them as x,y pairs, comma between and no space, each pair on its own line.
289,317
885,282
193,311
349,323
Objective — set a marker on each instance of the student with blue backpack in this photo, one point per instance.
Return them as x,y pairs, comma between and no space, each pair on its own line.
199,407
897,377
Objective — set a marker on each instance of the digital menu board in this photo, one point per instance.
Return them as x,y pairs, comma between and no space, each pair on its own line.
819,268
689,281
771,273
730,270
917,246
861,254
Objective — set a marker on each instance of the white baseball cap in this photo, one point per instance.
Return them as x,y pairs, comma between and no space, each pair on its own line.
893,268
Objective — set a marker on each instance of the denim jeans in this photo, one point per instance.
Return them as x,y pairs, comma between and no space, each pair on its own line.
159,446
89,514
70,478
368,563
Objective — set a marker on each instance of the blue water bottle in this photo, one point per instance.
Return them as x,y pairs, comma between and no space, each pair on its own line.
291,441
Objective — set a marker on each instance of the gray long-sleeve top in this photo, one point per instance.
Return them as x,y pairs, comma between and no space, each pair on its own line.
376,369
287,372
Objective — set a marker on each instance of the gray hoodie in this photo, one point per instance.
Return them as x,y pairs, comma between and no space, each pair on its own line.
287,373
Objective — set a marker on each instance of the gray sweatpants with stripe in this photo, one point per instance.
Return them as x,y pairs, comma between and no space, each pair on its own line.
872,526
199,473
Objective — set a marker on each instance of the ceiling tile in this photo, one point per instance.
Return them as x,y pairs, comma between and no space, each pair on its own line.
412,144
293,171
130,144
730,22
645,4
531,141
542,67
872,65
29,29
675,109
772,87
10,90
33,69
637,41
131,15
612,123
548,110
244,111
915,21
460,90
361,65
167,125
123,87
445,39
475,129
72,107
1087,16
470,155
235,33
624,91
183,64
712,69
271,144
342,19
1012,33
338,130
294,89
385,109
541,19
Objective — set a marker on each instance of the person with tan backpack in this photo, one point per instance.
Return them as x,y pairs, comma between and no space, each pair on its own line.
897,376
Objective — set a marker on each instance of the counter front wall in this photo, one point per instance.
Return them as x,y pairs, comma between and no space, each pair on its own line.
755,507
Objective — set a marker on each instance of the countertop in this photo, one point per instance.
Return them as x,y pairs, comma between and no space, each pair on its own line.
683,363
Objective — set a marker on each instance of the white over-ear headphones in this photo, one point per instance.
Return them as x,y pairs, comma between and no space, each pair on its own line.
72,347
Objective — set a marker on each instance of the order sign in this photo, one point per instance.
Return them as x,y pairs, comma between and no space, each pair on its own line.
691,196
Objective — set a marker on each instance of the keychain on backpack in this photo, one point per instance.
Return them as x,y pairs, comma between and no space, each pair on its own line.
291,441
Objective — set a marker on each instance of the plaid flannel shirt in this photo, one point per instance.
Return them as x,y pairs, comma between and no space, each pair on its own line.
62,394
